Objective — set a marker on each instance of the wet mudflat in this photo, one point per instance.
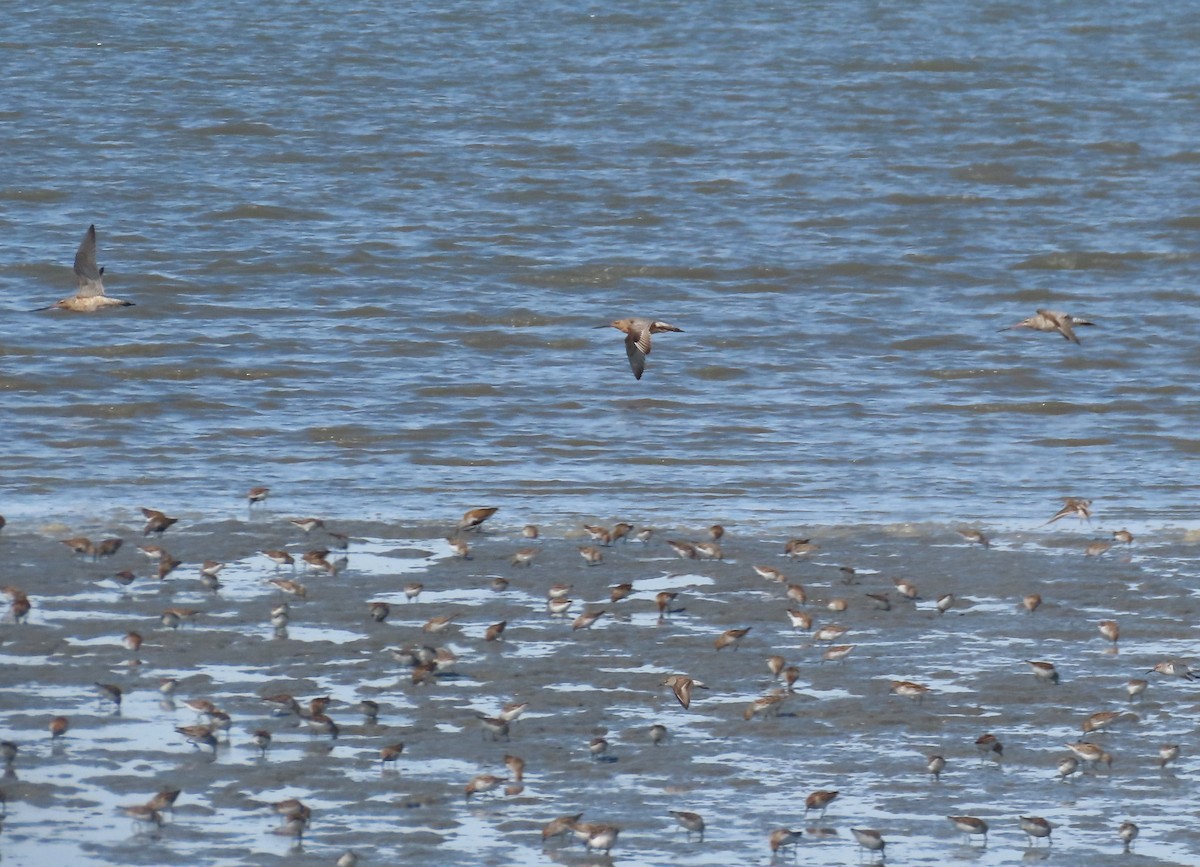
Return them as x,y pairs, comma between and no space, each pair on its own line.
839,728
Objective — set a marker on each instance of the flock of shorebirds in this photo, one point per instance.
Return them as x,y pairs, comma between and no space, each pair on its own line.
428,663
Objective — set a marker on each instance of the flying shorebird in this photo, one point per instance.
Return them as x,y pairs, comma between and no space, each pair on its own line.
1052,320
1073,507
682,686
157,522
637,339
473,518
90,295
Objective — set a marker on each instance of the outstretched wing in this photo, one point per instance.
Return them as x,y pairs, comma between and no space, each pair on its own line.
1064,327
683,692
637,347
85,266
1061,322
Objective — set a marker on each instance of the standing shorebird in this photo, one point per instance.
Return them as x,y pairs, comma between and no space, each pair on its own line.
1067,766
1043,671
1052,320
90,295
693,823
637,339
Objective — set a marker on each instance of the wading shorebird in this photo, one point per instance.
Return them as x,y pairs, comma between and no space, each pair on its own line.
1052,320
989,746
870,840
819,800
935,765
90,295
693,823
976,537
1043,671
637,339
970,825
1086,751
482,783
781,837
597,836
1036,827
801,620
559,827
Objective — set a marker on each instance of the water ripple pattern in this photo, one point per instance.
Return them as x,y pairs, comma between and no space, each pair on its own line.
373,248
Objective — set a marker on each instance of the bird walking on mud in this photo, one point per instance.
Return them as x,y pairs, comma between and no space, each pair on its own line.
637,339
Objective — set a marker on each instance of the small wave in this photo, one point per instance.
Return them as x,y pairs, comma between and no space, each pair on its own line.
254,128
256,211
1085,260
1074,261
939,64
718,373
916,199
37,195
992,173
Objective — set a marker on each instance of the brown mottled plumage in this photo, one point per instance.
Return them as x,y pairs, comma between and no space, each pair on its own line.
637,339
1052,320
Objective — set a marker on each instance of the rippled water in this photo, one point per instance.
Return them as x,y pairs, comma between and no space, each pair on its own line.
369,245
